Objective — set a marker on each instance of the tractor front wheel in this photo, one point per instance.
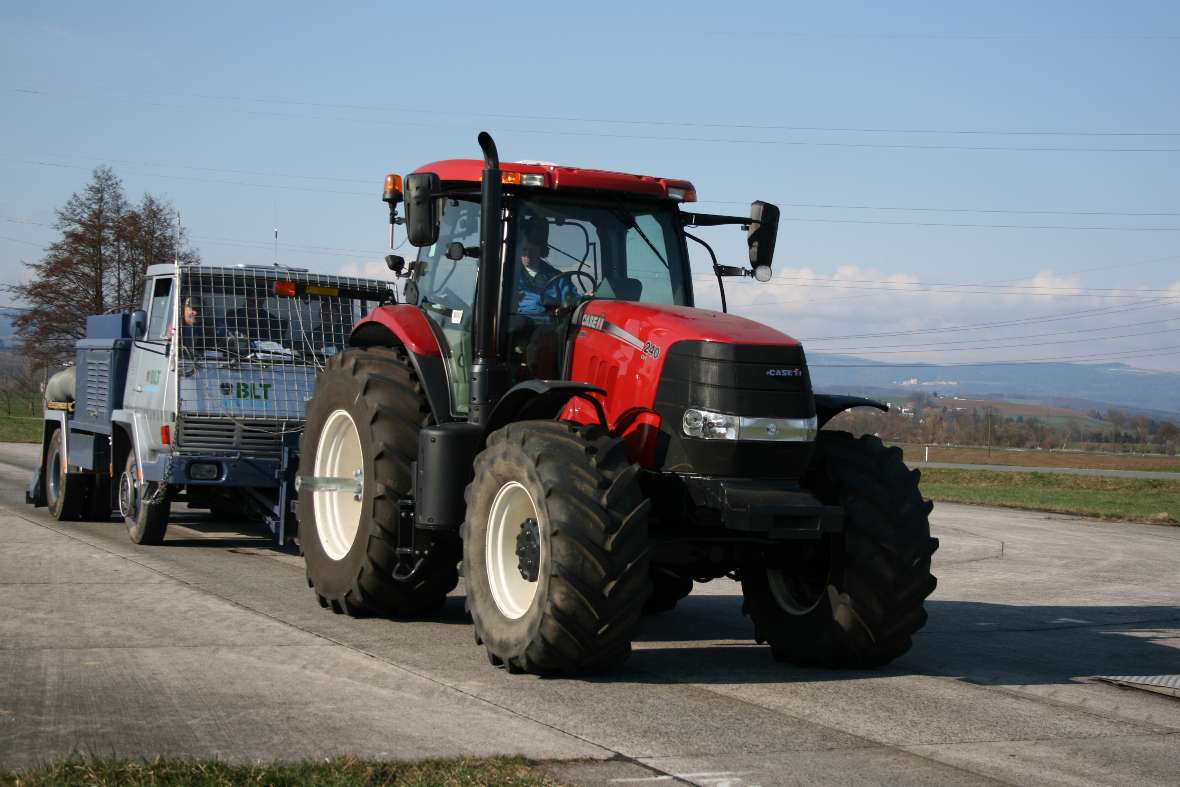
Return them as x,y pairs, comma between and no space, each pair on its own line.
555,549
854,600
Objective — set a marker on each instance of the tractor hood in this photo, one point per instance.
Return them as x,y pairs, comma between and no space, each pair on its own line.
652,329
662,360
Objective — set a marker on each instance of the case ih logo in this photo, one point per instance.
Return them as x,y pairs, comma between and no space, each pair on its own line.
593,321
794,372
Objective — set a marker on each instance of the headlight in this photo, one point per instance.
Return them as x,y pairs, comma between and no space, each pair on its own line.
708,425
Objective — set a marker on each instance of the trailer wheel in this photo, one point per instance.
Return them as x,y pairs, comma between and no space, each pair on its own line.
365,418
144,509
65,492
555,548
856,600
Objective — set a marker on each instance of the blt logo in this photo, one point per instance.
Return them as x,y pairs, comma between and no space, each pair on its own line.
258,391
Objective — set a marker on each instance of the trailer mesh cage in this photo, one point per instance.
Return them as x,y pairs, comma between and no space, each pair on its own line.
250,342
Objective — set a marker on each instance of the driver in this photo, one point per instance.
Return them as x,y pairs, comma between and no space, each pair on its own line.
539,294
537,286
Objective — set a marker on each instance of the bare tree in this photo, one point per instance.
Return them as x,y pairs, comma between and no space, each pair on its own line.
96,266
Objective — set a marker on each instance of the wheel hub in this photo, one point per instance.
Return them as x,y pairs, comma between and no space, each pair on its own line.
528,550
127,496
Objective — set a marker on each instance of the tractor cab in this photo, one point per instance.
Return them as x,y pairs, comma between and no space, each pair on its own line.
561,251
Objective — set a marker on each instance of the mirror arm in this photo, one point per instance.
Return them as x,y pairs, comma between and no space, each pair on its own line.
717,269
711,220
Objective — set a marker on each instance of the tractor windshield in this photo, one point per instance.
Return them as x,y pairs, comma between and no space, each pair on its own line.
567,250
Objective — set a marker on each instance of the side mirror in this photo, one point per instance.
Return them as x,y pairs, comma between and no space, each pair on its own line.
761,236
396,263
422,208
138,324
456,251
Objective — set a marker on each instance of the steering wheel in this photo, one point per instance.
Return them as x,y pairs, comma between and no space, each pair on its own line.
449,300
574,274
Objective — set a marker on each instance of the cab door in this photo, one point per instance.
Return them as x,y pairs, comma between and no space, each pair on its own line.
447,293
150,392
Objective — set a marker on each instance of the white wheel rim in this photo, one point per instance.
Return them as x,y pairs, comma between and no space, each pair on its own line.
338,512
512,593
784,596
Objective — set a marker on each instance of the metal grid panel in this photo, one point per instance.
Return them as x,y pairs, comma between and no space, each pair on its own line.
250,342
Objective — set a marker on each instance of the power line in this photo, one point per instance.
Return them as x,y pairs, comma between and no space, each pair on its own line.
331,251
1000,289
979,347
718,140
807,220
679,123
1151,303
990,211
984,211
975,343
193,179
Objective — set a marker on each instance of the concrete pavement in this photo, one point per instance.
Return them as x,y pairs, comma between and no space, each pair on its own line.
211,645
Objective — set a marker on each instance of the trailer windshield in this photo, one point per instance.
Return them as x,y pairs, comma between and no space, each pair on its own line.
235,319
565,250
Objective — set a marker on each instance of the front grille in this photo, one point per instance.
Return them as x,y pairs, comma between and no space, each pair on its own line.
221,435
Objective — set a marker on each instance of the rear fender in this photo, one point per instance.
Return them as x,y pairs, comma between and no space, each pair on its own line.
54,420
828,406
407,327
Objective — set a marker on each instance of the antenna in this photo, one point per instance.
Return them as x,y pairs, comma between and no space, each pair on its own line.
176,245
276,247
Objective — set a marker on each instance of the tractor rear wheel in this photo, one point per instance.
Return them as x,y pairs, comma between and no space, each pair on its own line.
853,600
65,493
555,548
363,424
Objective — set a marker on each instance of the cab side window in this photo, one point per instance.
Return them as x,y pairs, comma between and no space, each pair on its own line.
160,310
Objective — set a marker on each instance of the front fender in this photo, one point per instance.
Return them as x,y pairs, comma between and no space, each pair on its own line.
828,406
541,399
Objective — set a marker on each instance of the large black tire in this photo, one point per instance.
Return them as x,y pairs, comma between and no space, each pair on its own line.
859,598
379,391
147,522
591,576
66,494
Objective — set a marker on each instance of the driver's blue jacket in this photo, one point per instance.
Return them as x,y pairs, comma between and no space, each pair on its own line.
531,294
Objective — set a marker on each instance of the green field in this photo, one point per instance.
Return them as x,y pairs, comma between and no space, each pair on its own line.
20,429
339,772
1132,499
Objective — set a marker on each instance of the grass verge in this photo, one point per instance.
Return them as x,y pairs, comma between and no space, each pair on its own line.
338,772
1132,499
1006,456
20,429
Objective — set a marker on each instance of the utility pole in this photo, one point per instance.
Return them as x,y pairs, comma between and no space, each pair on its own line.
989,431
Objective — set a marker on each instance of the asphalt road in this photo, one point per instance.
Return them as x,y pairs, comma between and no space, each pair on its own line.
1158,475
212,645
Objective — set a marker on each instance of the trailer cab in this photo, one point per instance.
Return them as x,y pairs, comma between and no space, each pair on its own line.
198,396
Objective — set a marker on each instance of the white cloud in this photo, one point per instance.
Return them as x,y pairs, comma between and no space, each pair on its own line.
1057,316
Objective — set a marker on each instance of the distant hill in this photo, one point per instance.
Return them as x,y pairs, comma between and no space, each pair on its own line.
1076,385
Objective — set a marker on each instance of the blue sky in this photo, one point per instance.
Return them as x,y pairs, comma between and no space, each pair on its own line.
248,116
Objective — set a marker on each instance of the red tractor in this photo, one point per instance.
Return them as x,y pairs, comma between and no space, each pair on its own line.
548,410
